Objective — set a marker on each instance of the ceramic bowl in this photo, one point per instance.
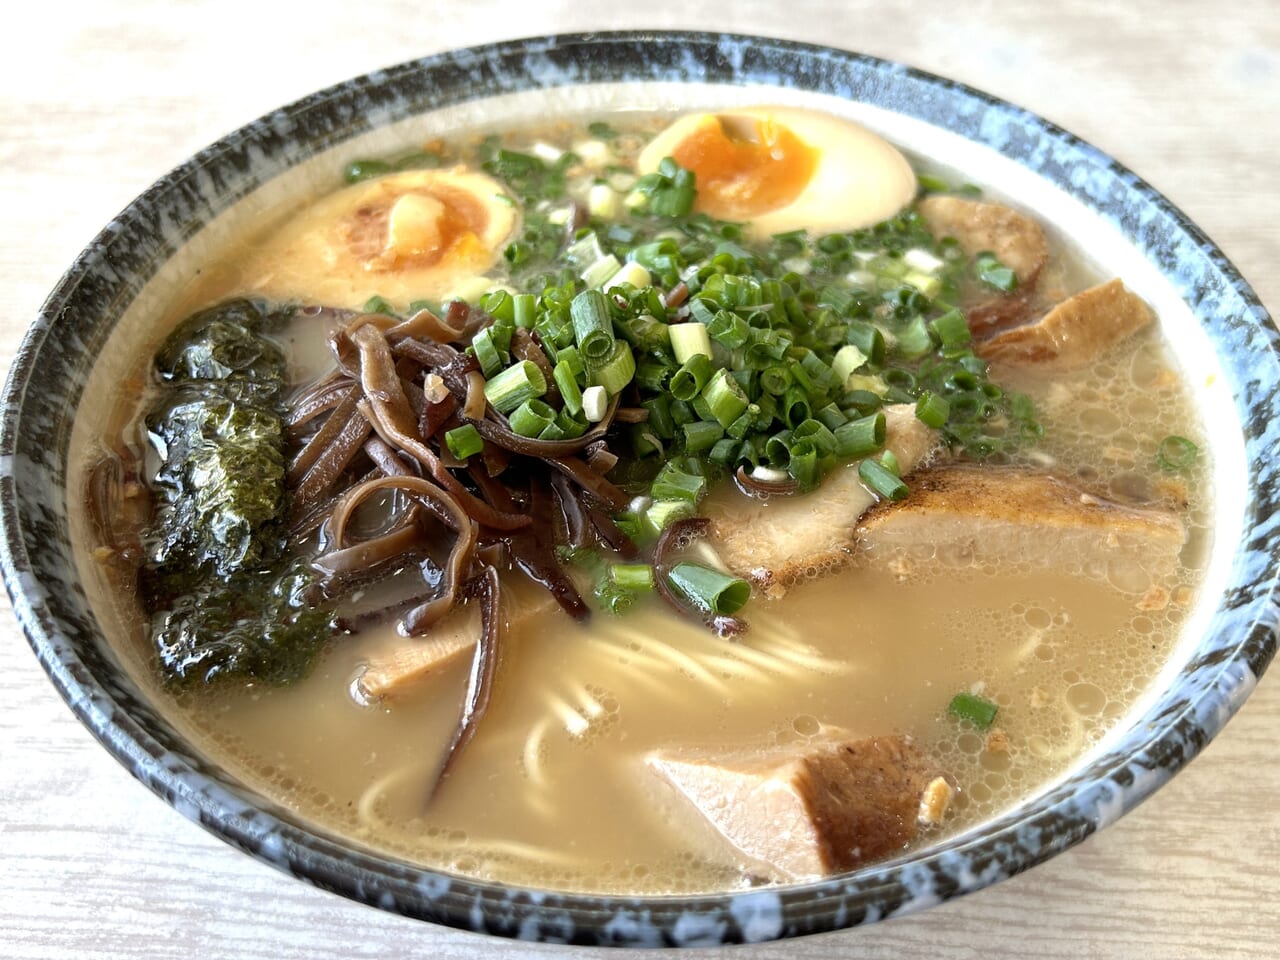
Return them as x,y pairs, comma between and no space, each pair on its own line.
1219,330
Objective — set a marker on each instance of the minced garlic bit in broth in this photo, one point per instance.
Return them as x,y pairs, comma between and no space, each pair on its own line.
553,790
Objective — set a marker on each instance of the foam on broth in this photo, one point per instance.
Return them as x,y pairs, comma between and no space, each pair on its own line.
553,791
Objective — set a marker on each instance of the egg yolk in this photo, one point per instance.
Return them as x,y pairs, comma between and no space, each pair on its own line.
746,166
419,228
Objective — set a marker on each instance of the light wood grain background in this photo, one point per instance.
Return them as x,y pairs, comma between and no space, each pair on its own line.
97,99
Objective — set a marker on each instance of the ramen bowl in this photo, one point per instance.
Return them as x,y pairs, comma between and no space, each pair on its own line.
1221,335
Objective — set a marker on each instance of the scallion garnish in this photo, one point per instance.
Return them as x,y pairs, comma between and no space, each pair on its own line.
513,386
464,441
531,418
861,437
633,577
882,481
673,483
614,370
1176,453
688,339
567,384
724,398
977,710
994,273
592,328
932,410
710,589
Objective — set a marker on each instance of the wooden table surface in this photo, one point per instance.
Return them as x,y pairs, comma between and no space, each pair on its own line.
98,99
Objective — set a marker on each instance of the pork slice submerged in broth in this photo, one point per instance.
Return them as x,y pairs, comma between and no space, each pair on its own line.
645,506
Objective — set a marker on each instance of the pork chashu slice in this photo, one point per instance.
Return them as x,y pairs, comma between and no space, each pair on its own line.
1073,334
774,542
1016,240
809,809
401,663
1018,515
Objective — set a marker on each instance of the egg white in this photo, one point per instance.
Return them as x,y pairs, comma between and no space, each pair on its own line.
859,178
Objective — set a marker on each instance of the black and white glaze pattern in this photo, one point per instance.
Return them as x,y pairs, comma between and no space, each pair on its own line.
47,380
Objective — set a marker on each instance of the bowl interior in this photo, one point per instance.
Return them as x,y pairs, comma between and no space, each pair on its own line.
128,286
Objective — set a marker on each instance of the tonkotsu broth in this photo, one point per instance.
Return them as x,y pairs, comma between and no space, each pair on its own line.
553,791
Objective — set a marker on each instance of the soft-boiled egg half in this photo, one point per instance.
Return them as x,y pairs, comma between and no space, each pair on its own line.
421,234
784,168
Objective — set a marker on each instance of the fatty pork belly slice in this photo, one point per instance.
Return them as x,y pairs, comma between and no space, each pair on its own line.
806,810
1073,334
777,541
974,513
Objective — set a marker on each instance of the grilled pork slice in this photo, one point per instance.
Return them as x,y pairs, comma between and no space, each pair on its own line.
1074,333
404,661
777,541
810,809
1021,516
1015,239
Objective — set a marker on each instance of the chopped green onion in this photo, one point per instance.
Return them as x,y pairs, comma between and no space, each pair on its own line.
881,481
660,419
778,448
531,418
861,437
601,272
379,305
601,130
632,273
868,339
1176,453
486,351
592,327
652,375
584,251
775,380
914,339
499,304
661,513
709,589
831,416
633,577
463,441
931,184
688,339
728,329
524,307
932,410
994,273
724,398
568,386
725,451
672,483
687,382
951,329
701,435
816,433
513,386
848,359
977,710
614,371
358,170
644,442
570,357
795,406
803,463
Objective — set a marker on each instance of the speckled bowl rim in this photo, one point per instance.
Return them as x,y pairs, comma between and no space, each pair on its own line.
50,604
